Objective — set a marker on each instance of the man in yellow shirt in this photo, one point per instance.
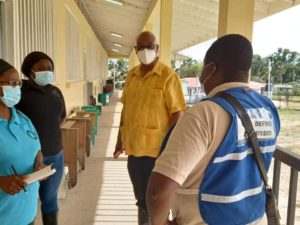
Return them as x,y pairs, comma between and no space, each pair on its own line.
152,102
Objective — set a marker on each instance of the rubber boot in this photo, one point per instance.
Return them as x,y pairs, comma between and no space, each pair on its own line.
50,218
143,217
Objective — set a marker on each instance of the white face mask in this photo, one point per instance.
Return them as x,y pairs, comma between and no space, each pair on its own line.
43,78
206,79
146,56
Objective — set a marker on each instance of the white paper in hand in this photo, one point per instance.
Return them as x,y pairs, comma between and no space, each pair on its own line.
40,174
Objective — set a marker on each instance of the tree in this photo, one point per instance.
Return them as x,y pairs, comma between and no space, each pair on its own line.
285,65
259,69
118,68
190,68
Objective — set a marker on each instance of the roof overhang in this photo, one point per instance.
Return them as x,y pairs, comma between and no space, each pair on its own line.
194,21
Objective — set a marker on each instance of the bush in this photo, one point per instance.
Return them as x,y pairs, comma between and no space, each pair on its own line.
119,85
296,91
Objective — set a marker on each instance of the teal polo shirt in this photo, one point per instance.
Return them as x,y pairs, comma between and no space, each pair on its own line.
19,144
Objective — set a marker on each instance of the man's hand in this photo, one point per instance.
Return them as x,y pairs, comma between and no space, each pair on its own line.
175,117
12,184
173,222
118,151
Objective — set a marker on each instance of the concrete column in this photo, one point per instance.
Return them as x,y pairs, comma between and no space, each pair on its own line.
149,27
236,16
133,60
153,22
166,11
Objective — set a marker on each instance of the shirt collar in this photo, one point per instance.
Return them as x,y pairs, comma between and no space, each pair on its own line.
14,116
27,86
157,69
226,86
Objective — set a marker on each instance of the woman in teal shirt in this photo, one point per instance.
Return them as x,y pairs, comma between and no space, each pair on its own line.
19,154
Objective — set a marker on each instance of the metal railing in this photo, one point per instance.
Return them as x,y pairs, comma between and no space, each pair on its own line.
292,160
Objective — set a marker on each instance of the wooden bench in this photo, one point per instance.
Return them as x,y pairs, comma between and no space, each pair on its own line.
81,150
88,123
70,146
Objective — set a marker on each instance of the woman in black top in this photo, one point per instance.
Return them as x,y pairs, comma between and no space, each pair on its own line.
44,104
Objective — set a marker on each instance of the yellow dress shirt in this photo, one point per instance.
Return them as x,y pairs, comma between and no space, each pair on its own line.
148,102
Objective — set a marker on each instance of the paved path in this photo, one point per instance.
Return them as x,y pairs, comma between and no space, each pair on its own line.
103,194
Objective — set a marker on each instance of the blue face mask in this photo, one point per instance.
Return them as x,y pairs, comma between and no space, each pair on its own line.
43,78
11,95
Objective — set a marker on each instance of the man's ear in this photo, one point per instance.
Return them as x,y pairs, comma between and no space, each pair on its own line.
211,67
157,47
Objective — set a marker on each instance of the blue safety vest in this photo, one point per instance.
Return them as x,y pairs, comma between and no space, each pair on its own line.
232,190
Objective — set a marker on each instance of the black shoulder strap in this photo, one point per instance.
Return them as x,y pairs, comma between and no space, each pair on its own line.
243,115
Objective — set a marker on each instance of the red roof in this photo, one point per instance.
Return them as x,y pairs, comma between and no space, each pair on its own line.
192,81
256,85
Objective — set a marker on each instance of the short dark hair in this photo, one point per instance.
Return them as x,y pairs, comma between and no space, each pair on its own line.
4,66
232,54
31,59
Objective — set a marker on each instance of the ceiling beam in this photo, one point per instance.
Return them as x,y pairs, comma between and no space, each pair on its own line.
279,6
189,21
200,14
211,6
117,56
148,14
102,6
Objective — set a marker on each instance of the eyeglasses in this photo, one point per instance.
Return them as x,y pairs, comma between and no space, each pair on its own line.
141,47
12,83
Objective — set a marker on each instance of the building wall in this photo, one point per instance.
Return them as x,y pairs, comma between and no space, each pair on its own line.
44,25
75,91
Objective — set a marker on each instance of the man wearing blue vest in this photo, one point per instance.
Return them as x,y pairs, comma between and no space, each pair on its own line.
207,173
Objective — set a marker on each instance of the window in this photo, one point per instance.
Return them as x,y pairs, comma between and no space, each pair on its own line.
33,25
93,60
73,41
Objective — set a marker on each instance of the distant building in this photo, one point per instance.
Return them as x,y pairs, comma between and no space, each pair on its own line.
257,86
192,90
283,89
193,85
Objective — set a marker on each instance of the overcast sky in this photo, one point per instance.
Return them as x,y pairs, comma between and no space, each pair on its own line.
282,30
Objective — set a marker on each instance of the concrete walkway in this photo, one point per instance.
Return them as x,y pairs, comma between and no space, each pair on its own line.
103,194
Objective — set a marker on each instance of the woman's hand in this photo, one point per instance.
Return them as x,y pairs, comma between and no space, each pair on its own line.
12,184
39,163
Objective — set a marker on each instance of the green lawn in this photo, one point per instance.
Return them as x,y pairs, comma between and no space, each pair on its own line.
289,136
292,102
292,98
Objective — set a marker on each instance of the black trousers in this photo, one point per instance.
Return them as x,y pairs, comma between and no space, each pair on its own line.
139,169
